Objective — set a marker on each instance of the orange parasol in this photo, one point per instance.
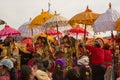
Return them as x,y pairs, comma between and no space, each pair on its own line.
50,38
87,17
118,25
40,19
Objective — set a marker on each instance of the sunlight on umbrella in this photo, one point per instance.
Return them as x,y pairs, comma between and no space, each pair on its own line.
40,19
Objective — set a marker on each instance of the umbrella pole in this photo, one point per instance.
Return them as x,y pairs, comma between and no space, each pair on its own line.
31,31
77,46
58,36
33,46
85,34
84,40
49,46
113,50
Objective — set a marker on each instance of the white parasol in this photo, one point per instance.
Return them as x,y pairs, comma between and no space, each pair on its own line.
56,21
107,22
29,32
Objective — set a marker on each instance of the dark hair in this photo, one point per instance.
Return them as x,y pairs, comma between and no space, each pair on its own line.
45,63
81,45
26,71
59,52
36,55
1,50
38,63
72,75
106,46
97,43
58,73
12,72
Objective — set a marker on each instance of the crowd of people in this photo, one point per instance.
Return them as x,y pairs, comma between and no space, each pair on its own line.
90,61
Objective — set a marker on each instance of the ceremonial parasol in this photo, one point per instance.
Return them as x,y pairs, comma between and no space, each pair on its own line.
29,32
56,21
50,38
53,32
107,22
9,31
77,30
87,17
40,19
2,22
118,25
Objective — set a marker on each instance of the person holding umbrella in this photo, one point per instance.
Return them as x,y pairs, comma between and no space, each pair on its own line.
97,58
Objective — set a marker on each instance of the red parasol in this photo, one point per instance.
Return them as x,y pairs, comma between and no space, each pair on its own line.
77,30
52,32
8,31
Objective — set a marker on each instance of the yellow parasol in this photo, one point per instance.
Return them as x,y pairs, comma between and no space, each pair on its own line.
87,17
50,38
40,19
118,25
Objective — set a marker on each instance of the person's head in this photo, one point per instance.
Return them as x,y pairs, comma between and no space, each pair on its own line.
81,45
6,64
97,43
27,73
37,65
60,63
72,75
66,38
83,60
39,39
106,46
36,56
46,64
59,54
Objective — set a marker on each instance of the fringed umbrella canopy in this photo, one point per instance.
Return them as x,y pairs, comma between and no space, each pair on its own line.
40,19
9,31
